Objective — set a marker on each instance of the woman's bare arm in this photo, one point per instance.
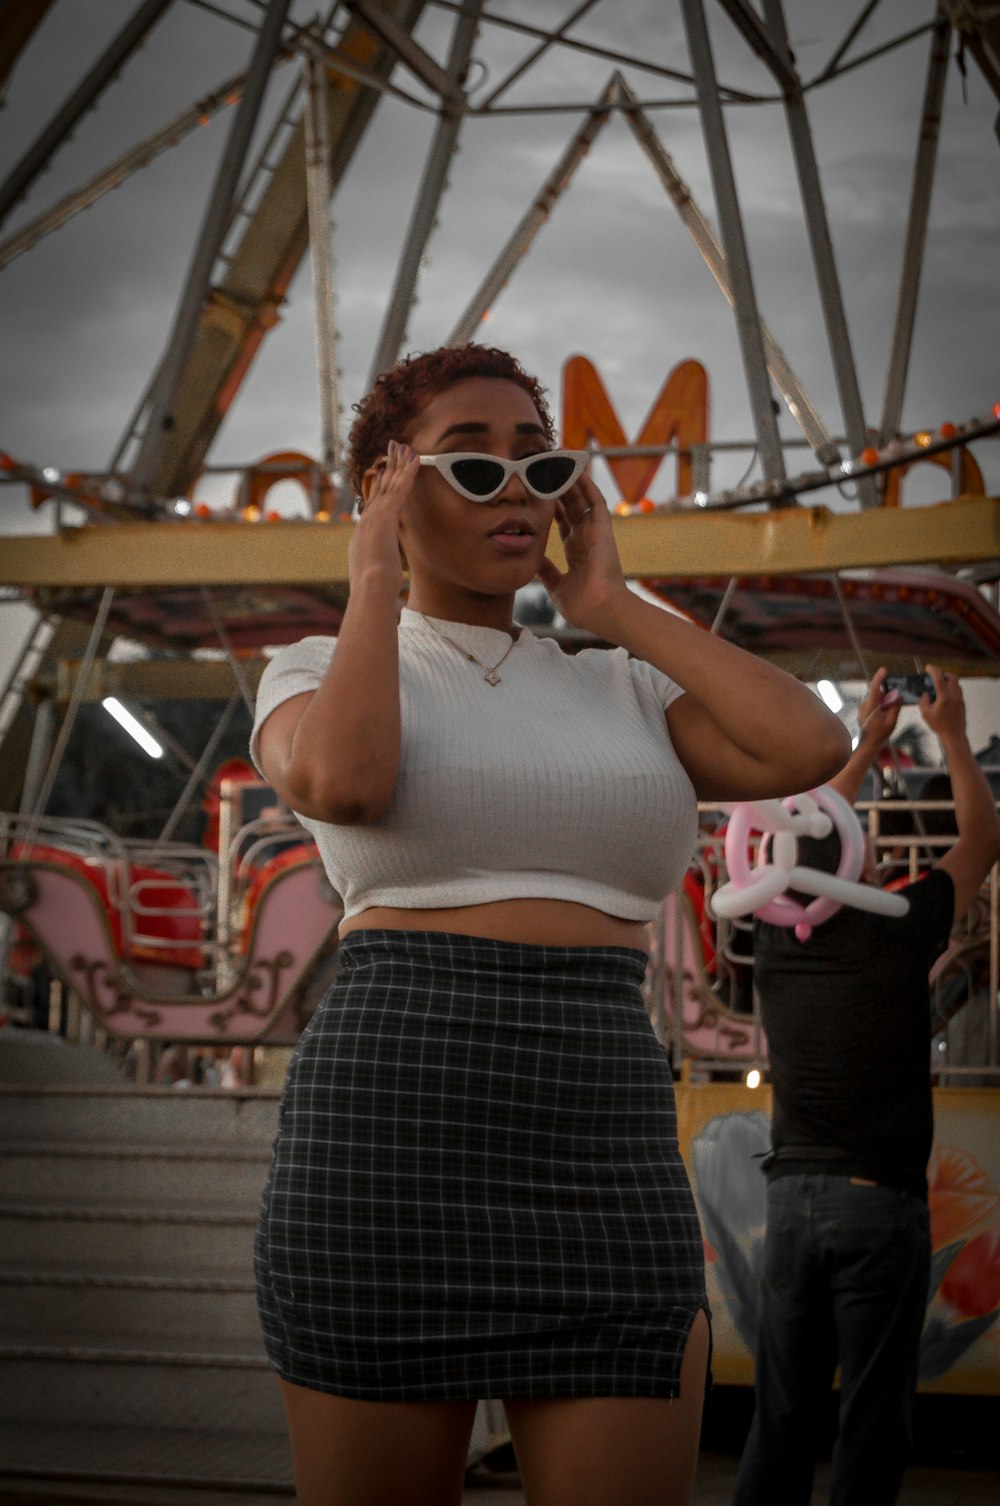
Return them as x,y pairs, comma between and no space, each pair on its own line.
744,730
333,755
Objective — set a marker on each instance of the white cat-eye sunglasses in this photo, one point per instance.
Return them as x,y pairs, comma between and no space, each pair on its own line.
483,477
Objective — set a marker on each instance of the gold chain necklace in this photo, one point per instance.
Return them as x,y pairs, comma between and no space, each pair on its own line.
489,673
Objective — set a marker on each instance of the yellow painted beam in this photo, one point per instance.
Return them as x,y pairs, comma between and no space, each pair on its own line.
179,679
797,541
158,556
842,664
187,679
793,541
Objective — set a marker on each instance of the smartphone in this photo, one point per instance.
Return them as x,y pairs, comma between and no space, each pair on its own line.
910,687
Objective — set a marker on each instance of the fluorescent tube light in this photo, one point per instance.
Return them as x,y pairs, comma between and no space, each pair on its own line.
135,729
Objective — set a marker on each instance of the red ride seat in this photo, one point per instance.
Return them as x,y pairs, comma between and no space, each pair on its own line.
694,887
159,891
261,878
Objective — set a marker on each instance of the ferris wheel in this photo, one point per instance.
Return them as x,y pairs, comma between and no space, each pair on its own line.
289,151
302,120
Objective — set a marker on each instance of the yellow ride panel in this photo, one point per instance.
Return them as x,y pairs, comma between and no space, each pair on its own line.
787,541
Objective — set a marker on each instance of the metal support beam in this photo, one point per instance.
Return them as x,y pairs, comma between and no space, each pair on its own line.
978,25
132,434
520,242
121,168
214,227
47,781
903,40
40,751
724,184
858,25
320,232
68,639
535,54
800,405
916,231
20,179
765,44
18,21
243,307
25,662
428,197
821,244
420,63
592,49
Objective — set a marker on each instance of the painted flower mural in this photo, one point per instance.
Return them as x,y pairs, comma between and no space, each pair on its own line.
964,1296
971,1284
964,1292
731,1197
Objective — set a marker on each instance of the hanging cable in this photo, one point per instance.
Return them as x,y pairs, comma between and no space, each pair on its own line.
724,604
859,652
69,720
223,637
197,775
866,676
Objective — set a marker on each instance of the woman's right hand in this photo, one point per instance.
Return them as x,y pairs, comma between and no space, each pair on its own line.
332,753
375,547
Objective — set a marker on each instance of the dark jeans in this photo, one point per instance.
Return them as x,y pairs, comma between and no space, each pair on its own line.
844,1280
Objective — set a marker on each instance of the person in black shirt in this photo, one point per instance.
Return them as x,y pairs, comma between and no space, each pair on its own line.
847,1244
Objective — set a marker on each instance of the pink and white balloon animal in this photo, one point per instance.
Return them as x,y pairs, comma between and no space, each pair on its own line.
761,889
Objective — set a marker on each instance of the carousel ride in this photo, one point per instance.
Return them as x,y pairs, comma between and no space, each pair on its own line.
166,574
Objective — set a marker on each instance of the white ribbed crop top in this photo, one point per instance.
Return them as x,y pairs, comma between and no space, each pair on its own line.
560,782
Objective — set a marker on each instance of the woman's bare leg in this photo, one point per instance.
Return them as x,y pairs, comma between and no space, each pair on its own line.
614,1450
375,1453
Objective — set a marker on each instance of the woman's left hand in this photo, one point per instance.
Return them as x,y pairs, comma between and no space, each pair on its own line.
593,580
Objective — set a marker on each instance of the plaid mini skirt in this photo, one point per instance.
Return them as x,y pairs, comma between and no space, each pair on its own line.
476,1190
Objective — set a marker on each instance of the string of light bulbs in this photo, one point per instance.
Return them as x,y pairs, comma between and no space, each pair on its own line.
109,494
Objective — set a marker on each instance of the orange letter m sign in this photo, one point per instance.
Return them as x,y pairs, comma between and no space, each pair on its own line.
679,415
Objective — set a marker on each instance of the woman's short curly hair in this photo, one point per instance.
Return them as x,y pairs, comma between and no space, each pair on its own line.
400,395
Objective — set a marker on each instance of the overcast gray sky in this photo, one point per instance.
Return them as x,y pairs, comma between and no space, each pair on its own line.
612,275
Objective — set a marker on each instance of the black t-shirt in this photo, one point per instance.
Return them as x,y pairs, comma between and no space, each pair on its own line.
846,1015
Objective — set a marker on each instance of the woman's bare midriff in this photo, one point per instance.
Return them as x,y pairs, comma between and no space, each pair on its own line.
538,922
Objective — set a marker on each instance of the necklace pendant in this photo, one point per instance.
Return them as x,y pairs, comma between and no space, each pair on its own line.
491,677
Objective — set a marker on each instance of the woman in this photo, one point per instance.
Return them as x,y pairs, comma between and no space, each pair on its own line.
476,1189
